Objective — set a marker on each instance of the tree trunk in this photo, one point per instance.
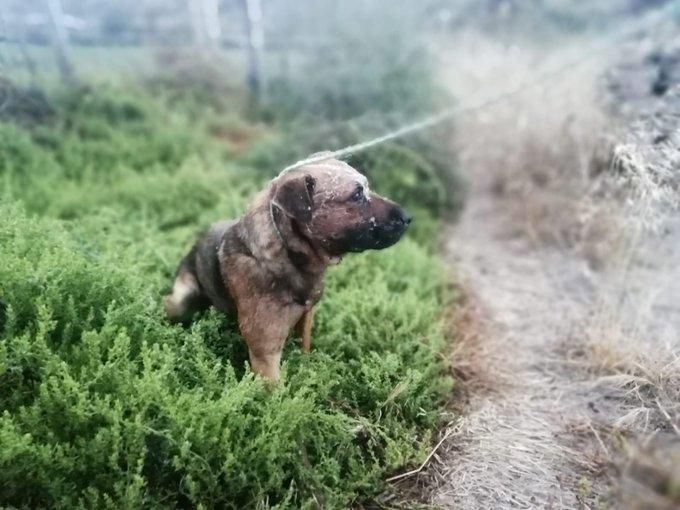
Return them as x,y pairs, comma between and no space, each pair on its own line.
60,38
197,22
255,36
29,62
211,19
205,23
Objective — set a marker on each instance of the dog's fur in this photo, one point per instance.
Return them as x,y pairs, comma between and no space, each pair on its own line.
267,267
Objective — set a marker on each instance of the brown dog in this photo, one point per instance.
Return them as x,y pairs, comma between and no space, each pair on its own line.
268,266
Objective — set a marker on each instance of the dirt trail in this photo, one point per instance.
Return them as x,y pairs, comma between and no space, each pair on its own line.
514,449
534,427
534,431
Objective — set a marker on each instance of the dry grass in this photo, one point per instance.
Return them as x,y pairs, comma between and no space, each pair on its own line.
572,178
633,336
543,150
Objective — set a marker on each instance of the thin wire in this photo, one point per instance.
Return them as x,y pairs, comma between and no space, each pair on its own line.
450,113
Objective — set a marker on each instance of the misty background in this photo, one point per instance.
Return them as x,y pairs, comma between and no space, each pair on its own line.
519,348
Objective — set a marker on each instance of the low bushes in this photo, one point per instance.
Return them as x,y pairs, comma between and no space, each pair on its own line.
104,404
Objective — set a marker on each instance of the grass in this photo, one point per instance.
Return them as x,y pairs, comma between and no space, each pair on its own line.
577,179
542,163
632,336
104,404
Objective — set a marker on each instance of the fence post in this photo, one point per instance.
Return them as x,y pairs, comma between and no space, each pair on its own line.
60,36
211,18
255,36
205,22
197,22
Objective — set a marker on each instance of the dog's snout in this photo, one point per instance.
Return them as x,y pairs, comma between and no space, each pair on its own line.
401,216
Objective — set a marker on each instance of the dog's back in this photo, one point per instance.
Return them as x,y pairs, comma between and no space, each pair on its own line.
198,282
207,266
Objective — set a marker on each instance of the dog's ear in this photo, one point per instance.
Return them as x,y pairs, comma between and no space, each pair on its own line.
295,198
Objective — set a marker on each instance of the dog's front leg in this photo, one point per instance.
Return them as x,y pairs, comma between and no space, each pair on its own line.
265,325
266,364
304,329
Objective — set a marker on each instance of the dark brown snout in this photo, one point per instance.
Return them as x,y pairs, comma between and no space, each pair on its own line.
382,225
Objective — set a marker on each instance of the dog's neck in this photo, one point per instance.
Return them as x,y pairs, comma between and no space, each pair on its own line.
303,253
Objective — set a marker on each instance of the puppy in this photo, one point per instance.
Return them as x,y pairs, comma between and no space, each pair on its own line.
267,267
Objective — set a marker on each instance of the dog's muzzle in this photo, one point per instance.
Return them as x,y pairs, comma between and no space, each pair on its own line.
375,234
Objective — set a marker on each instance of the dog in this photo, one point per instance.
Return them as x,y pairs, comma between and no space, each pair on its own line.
267,267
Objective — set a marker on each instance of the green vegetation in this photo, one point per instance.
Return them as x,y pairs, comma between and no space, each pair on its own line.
104,404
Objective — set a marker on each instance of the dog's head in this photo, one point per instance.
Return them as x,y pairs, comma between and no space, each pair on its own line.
331,204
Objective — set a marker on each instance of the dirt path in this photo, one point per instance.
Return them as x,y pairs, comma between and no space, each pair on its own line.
535,431
514,448
543,404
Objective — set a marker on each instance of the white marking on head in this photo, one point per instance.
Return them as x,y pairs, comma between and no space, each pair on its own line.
367,191
337,172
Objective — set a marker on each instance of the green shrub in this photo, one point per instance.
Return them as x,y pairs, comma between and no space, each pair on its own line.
366,57
104,404
201,85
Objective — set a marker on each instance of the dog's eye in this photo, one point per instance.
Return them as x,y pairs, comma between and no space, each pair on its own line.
358,195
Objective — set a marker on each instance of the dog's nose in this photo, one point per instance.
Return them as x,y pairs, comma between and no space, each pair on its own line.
402,216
